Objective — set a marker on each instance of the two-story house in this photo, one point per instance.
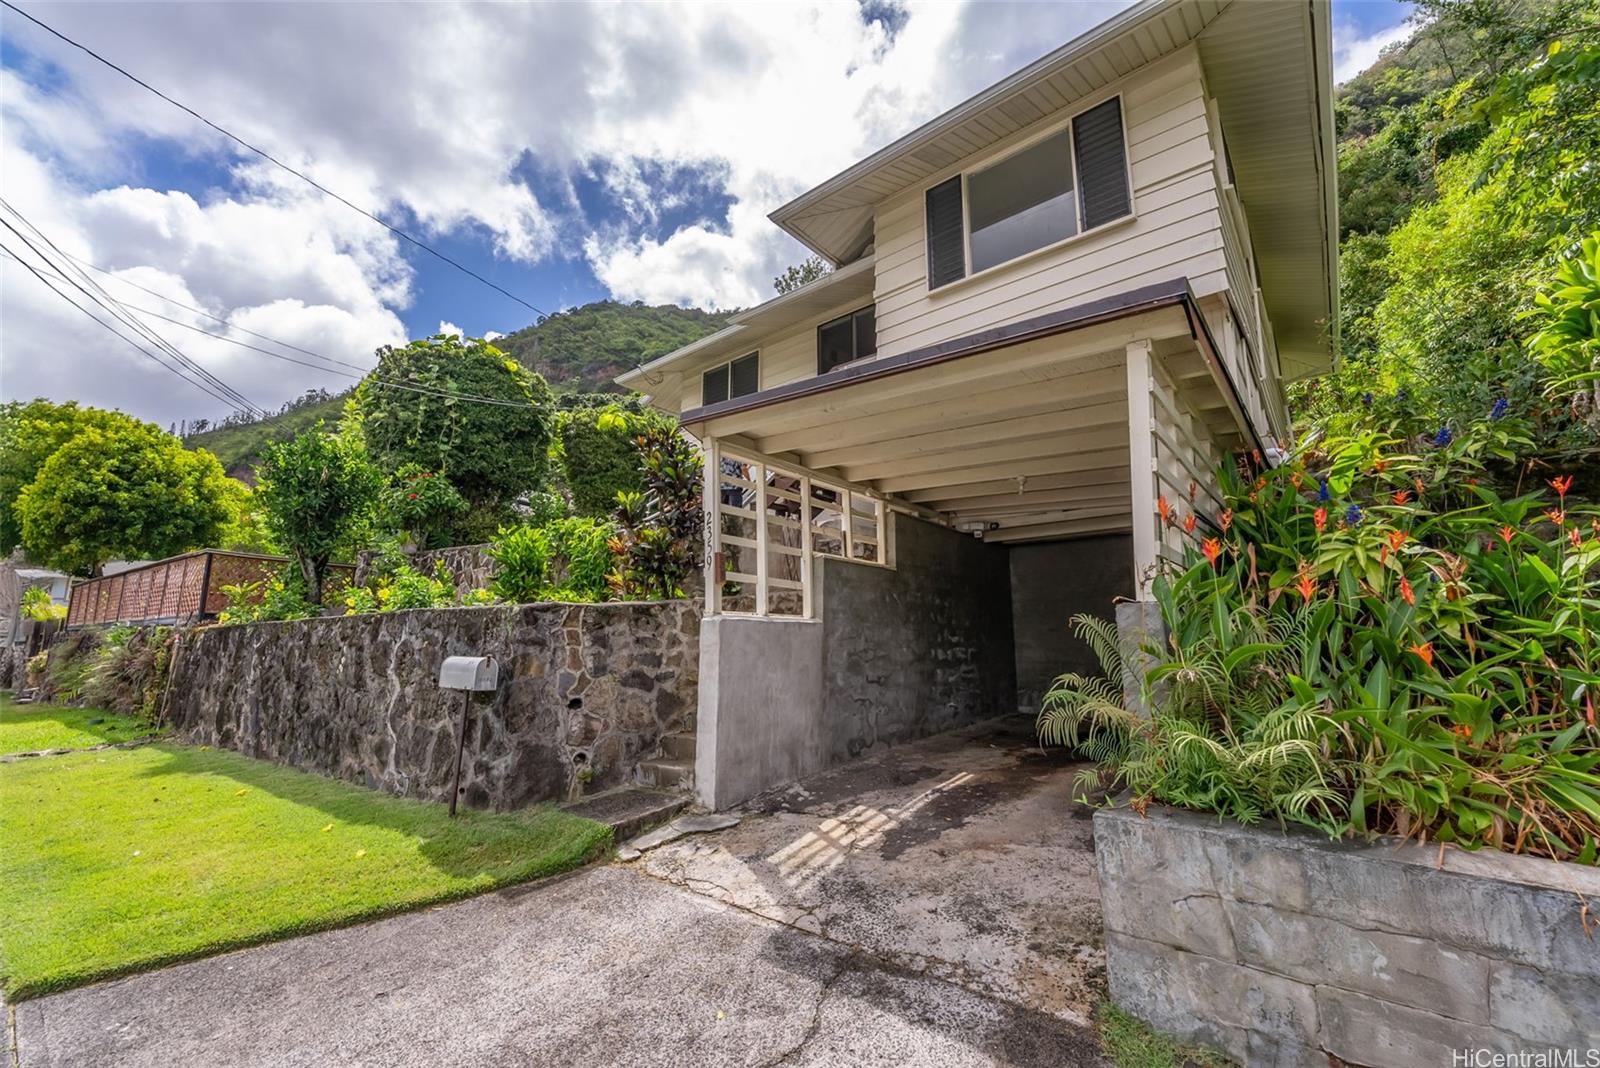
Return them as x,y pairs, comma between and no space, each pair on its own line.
1053,306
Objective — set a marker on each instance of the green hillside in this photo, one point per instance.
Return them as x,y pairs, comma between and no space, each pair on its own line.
583,349
577,351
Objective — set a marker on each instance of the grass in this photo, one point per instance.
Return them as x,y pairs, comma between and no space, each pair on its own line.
122,860
29,728
1130,1043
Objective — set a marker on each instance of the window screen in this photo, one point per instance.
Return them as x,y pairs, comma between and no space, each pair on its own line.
1022,203
744,375
849,337
1102,163
947,259
714,385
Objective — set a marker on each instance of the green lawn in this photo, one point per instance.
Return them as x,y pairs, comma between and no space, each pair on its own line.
28,728
121,860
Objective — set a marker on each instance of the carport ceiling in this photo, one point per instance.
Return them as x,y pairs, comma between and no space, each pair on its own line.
1029,440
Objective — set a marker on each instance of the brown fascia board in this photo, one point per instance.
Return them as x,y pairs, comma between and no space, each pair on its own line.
1174,293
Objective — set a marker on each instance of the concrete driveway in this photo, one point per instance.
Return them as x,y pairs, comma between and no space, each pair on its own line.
935,905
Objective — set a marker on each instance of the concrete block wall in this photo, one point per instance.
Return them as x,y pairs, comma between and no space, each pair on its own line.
1289,949
1050,583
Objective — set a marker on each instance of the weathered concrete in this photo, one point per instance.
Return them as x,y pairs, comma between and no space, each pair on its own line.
962,856
918,649
1138,625
586,692
1289,949
958,926
759,702
1050,583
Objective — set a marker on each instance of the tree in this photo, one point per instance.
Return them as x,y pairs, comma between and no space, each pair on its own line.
29,434
808,270
122,489
493,449
599,457
319,492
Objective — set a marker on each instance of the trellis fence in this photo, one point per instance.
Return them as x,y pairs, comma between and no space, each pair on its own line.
177,590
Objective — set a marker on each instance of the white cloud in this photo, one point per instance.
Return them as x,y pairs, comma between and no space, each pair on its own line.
451,329
1354,52
427,118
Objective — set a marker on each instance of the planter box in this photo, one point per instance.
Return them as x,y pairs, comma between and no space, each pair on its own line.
1291,949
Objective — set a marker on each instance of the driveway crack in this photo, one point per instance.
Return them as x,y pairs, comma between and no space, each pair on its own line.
815,1025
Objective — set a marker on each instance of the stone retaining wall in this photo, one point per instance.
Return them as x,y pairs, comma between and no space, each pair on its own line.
1294,950
586,691
470,566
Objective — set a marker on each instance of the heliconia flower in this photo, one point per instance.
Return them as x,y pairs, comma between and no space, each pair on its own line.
1296,479
1193,489
1444,437
1379,465
1352,514
1423,651
1225,520
1188,523
1561,485
1506,534
1575,536
1323,493
1383,554
1307,585
1499,408
1402,496
1213,549
1462,730
1417,482
1397,538
1164,509
1320,518
1255,454
1261,483
1556,516
1406,591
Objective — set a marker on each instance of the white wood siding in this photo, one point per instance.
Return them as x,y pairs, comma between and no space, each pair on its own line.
1177,228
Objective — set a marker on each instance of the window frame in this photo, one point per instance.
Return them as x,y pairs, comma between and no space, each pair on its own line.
727,365
1063,124
855,342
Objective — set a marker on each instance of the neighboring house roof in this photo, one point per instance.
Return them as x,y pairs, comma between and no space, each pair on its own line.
35,574
1269,65
116,567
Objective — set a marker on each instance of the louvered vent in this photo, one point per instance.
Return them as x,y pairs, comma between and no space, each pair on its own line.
1102,164
947,257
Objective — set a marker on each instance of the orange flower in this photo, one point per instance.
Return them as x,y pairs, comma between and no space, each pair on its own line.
1556,516
1402,496
1575,537
1307,585
1188,523
1213,549
1506,533
1417,482
1561,485
1320,518
1296,479
1397,538
1225,520
1406,591
1261,483
1424,652
1462,730
1193,489
1379,465
1165,509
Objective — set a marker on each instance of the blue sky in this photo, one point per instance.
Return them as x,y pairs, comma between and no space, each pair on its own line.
567,152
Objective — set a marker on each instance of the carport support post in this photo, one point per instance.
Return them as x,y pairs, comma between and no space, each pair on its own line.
711,504
1139,621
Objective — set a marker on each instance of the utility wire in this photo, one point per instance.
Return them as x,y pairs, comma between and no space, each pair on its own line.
384,382
112,306
273,159
68,298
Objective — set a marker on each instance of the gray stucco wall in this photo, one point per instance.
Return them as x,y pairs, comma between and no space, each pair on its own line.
586,691
1050,583
760,700
917,649
1289,949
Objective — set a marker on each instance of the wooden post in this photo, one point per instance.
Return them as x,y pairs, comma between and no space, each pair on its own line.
759,475
806,572
711,501
1142,467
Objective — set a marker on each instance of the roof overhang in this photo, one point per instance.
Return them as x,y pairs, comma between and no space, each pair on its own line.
1269,66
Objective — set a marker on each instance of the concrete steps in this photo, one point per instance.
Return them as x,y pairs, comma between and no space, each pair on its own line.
667,774
629,810
678,746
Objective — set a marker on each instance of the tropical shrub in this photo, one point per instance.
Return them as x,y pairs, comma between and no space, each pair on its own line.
563,560
423,504
401,587
598,456
278,597
1369,639
659,539
319,493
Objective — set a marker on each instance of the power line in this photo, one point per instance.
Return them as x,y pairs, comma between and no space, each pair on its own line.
383,382
68,298
114,307
272,159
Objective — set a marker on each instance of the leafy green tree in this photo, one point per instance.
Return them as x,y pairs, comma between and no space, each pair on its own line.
319,493
599,456
29,433
423,504
808,270
120,489
493,449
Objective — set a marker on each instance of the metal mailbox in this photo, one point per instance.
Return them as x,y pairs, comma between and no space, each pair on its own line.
469,673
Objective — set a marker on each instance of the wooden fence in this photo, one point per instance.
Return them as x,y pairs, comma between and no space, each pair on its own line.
177,590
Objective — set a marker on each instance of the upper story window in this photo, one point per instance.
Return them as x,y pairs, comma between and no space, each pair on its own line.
737,378
1067,182
849,337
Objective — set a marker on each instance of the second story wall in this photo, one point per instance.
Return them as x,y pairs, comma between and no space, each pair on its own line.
1176,229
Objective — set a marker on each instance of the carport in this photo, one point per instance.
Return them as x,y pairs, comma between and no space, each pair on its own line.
894,547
